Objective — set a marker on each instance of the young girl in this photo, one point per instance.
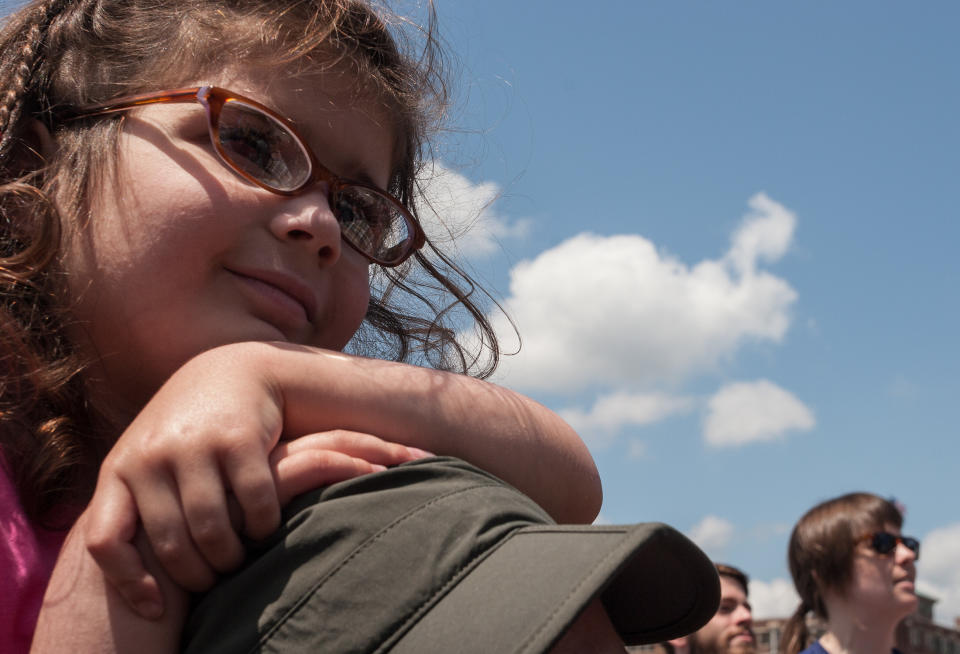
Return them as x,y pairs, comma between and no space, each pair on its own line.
853,568
203,203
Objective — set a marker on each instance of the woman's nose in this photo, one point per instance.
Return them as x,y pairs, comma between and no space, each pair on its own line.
307,221
904,554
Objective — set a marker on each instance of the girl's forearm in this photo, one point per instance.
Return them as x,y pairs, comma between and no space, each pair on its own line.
81,612
492,427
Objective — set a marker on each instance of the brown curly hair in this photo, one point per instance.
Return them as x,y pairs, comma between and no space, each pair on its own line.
61,54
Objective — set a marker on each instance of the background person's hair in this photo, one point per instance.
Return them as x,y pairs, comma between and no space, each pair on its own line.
737,574
61,54
821,552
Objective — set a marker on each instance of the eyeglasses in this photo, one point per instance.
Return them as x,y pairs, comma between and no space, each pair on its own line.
262,147
883,542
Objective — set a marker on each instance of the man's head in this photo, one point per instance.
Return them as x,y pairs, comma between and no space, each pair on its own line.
730,631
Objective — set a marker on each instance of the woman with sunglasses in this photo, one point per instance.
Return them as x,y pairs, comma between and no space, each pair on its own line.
215,292
852,568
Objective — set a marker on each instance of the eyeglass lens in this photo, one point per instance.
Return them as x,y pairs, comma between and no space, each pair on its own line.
263,148
884,542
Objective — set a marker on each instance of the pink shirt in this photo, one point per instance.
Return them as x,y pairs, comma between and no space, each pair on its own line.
27,555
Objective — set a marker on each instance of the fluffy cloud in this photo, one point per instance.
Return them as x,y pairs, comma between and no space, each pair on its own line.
452,208
773,599
712,534
747,412
615,310
939,571
615,411
764,234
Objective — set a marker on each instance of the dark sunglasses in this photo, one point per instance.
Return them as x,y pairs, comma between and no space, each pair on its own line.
883,542
262,147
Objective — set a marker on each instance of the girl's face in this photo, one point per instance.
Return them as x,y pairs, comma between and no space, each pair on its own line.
181,255
883,584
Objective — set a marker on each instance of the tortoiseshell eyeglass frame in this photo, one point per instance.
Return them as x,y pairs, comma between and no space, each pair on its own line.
213,98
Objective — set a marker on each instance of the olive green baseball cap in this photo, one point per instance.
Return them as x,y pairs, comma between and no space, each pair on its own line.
439,556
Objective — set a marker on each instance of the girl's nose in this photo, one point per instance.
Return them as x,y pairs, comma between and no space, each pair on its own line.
308,221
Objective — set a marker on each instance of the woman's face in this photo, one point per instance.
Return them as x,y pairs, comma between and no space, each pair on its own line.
882,585
181,255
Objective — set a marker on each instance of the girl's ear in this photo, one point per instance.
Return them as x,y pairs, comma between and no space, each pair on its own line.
33,147
43,140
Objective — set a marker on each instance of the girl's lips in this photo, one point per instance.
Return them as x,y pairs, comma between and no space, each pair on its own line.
284,300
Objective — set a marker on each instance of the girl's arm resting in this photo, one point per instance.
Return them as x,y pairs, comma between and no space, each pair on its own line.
492,427
213,426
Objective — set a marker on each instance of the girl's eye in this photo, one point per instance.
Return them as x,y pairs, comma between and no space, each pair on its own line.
261,147
358,220
248,144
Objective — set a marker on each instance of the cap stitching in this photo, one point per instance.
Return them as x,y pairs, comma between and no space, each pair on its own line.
550,618
454,579
365,545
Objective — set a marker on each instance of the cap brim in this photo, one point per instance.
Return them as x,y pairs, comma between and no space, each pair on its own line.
654,582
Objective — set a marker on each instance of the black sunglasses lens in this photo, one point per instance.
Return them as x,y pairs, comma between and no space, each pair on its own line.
883,542
913,544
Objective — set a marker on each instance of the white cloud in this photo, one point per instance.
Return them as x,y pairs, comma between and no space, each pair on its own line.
748,412
452,208
612,412
765,234
773,599
712,534
615,310
938,571
602,520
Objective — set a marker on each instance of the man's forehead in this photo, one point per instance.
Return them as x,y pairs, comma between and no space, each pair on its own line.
731,587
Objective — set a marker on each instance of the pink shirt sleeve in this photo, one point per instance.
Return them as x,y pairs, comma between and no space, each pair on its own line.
27,555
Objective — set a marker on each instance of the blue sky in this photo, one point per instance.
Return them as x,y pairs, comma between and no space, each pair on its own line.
726,232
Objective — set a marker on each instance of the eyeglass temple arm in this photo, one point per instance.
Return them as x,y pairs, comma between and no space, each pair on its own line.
132,101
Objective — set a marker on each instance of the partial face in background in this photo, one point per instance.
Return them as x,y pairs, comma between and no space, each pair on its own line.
882,585
591,632
181,255
730,631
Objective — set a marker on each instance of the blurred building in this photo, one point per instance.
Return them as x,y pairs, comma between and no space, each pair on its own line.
917,634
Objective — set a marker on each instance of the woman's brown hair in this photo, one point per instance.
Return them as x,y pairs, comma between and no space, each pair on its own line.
821,551
63,54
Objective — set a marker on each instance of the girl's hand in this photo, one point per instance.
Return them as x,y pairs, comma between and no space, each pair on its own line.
210,433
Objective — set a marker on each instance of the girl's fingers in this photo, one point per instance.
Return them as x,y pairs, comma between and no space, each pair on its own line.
356,444
204,502
250,478
165,525
307,469
109,525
